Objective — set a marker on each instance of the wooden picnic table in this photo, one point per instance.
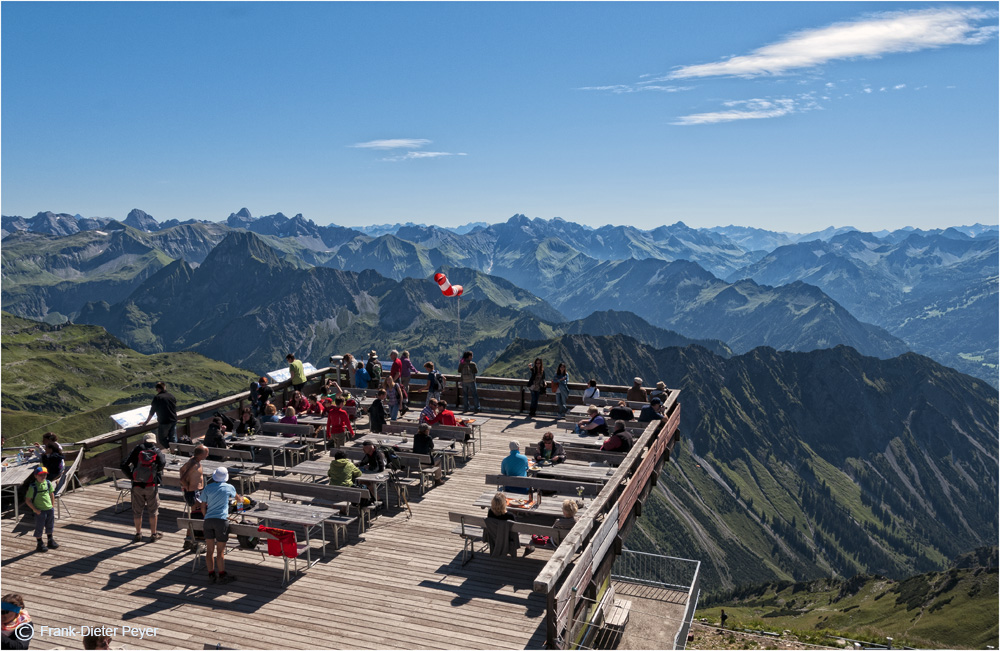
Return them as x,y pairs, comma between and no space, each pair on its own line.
575,472
568,438
12,478
550,506
242,470
405,444
270,443
305,515
321,468
580,412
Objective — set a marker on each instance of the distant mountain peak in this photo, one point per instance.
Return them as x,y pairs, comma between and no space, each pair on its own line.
141,220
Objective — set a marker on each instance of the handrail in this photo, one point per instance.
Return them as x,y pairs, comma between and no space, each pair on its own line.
128,432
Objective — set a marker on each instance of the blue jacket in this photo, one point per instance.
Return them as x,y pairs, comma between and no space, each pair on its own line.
361,378
514,465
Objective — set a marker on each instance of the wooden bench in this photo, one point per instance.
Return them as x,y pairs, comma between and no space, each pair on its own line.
225,454
250,531
336,497
459,434
560,487
302,433
169,485
471,529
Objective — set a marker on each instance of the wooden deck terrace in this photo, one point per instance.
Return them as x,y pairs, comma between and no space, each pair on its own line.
399,585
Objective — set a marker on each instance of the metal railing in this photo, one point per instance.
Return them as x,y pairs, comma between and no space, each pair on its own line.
665,572
655,570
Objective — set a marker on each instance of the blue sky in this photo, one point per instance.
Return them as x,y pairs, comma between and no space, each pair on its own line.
787,116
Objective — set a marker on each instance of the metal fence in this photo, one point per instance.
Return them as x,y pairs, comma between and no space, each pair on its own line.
655,570
666,573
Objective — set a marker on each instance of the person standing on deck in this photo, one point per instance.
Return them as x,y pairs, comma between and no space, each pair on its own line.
408,370
561,380
361,377
297,370
377,413
145,466
435,382
337,420
192,483
165,407
396,370
216,497
374,368
536,384
468,370
39,499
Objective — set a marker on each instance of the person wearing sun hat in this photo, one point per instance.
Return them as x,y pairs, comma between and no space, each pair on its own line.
636,393
216,497
39,499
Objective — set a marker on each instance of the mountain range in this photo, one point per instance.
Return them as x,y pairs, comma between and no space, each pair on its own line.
929,291
805,465
246,305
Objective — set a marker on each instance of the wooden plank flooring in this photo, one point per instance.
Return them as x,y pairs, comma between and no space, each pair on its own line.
400,585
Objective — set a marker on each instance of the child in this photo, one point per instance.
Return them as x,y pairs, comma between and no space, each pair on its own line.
39,499
14,616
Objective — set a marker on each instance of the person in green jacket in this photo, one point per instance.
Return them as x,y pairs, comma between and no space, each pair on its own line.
39,499
297,370
342,471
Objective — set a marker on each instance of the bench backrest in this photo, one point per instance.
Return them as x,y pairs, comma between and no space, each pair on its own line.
288,428
224,453
450,432
315,491
235,529
517,527
116,475
558,485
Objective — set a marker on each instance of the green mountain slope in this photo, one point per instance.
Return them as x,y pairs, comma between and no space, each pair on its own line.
953,609
802,465
69,379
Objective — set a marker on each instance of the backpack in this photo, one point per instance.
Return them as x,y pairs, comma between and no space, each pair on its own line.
392,460
145,470
439,381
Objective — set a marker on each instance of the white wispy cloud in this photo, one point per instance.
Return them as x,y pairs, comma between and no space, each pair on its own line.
414,155
870,37
748,109
393,143
639,87
899,87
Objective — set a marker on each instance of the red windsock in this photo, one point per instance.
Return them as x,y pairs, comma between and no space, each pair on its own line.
447,288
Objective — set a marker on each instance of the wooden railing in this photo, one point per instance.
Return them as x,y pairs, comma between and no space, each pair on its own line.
572,582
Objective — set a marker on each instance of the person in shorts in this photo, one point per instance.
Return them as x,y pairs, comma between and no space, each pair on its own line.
216,497
144,466
192,483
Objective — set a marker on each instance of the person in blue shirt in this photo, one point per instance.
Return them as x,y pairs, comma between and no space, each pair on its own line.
515,464
216,497
361,376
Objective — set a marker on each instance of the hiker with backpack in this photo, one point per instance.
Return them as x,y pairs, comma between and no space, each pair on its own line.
145,466
374,368
435,382
39,499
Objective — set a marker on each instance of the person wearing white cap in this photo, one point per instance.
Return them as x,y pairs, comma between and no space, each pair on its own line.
636,393
216,497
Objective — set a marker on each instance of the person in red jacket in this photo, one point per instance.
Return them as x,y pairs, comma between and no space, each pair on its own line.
444,415
337,420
